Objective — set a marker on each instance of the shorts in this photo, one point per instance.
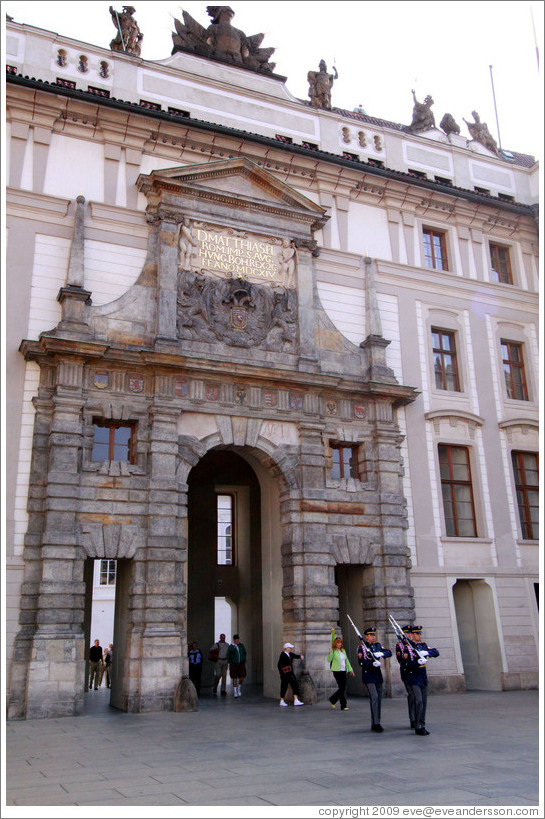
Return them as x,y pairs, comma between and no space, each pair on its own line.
237,671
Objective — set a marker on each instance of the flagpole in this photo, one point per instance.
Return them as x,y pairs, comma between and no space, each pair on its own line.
495,108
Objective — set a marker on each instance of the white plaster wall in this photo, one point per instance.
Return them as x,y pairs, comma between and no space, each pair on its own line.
345,306
432,612
516,620
111,269
49,271
84,158
368,231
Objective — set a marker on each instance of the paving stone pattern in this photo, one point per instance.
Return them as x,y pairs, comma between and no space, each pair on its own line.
482,750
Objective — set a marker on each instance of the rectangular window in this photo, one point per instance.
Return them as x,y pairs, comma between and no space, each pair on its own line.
526,471
113,441
501,264
444,360
108,570
457,491
224,529
435,249
513,369
345,461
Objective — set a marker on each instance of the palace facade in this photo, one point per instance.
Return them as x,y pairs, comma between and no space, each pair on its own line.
266,350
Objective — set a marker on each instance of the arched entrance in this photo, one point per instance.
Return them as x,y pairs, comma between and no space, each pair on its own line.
229,540
478,634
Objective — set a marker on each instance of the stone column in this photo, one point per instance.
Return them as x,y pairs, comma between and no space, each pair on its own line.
375,344
56,669
167,275
74,298
308,596
305,292
158,639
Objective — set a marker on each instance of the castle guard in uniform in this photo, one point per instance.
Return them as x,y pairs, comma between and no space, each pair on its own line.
414,656
370,653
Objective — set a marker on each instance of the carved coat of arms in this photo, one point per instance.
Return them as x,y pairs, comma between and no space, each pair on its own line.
236,312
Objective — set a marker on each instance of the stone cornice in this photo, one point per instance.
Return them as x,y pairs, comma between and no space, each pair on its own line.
156,363
251,139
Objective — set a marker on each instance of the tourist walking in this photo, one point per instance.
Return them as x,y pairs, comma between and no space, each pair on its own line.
340,666
287,675
218,653
95,662
236,657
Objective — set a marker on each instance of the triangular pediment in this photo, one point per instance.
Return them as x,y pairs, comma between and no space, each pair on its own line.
237,179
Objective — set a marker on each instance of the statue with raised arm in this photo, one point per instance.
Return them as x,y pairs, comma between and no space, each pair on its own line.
222,40
129,36
480,133
423,119
320,85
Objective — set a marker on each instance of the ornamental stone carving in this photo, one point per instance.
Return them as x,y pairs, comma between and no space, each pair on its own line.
480,133
423,118
129,37
236,312
222,41
449,125
320,85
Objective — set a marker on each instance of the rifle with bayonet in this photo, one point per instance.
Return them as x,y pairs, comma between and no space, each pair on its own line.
367,647
403,637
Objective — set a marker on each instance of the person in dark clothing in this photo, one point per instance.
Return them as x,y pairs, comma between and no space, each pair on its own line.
414,657
195,666
95,662
407,630
287,675
369,655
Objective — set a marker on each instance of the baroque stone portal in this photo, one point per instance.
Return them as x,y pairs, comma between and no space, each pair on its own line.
222,41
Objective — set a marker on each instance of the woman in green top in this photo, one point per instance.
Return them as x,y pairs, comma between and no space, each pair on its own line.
340,666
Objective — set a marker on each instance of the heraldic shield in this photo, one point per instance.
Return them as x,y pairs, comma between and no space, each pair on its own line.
236,312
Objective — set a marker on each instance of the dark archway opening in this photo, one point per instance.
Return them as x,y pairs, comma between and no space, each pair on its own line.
224,558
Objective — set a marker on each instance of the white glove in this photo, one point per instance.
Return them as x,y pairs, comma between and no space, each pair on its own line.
422,662
378,653
425,653
376,663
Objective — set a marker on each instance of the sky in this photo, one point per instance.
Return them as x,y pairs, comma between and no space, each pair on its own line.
381,49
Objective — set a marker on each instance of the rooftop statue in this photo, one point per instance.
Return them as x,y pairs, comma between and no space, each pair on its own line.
129,36
321,83
222,40
423,118
480,133
449,125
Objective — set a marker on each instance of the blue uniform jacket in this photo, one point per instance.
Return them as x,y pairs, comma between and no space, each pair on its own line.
411,671
371,673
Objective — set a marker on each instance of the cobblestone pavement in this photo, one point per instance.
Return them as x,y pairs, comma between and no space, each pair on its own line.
482,750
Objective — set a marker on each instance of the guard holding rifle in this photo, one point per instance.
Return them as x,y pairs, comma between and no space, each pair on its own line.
414,656
407,631
370,653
